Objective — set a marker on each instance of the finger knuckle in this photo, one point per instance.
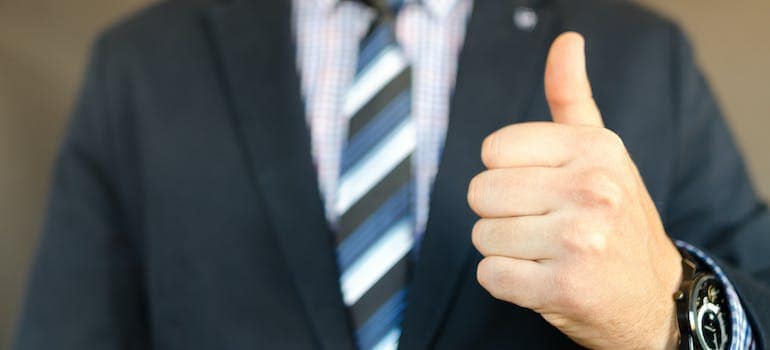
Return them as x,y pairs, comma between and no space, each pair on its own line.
478,236
573,294
475,191
479,189
490,150
590,244
569,296
572,304
485,273
598,188
492,276
611,145
611,139
584,238
565,291
594,243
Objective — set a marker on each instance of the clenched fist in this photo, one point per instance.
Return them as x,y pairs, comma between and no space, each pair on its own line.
567,226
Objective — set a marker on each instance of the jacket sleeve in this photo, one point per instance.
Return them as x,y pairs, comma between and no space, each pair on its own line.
712,204
85,289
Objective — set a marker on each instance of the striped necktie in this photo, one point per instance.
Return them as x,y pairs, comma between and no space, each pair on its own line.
375,191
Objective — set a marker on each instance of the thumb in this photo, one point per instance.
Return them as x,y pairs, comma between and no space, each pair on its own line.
567,88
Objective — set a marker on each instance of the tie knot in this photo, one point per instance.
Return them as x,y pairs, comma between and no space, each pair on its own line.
386,8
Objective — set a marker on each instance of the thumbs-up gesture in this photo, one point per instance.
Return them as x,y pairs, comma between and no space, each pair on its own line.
567,226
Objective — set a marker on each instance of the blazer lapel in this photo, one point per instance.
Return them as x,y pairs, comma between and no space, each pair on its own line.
500,70
256,52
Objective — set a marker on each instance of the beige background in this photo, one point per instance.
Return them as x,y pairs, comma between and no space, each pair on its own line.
43,44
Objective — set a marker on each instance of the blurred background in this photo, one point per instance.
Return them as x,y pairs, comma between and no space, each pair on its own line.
43,45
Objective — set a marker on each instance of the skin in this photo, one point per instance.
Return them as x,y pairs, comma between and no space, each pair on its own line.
567,227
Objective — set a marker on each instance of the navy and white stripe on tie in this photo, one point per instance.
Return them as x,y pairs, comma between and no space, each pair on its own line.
375,192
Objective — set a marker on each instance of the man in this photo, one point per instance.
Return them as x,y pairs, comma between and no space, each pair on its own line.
306,174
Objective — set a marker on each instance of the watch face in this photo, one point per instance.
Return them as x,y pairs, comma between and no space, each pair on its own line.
709,306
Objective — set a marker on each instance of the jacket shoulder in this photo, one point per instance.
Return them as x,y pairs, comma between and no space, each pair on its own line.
620,14
162,28
621,34
620,20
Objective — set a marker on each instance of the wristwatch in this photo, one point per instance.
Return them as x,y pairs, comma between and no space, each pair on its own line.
701,306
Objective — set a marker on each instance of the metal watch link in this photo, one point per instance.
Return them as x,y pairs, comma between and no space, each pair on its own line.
702,310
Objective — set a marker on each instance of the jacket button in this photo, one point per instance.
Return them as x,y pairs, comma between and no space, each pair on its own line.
525,18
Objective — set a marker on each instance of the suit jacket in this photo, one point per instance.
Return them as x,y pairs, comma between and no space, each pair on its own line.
185,211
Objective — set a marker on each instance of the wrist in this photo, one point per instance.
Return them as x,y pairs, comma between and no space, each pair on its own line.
669,331
674,336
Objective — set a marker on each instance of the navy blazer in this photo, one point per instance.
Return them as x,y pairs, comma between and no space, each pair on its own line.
185,212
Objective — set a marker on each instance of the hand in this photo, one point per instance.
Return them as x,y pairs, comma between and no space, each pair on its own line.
567,226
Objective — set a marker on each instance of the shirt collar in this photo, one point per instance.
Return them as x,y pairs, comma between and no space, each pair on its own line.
437,8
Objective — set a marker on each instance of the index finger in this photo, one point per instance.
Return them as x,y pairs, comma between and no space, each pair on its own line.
533,144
